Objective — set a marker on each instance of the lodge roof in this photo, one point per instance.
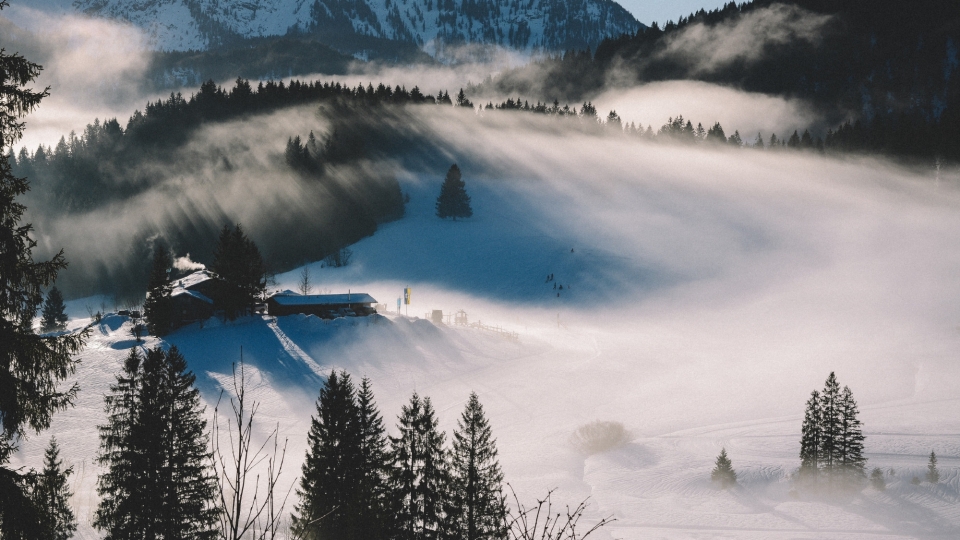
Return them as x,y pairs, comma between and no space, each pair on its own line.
195,294
322,299
194,279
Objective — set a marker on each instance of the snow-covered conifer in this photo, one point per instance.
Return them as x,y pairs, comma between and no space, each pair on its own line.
723,472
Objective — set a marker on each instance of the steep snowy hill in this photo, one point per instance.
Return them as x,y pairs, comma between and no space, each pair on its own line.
433,24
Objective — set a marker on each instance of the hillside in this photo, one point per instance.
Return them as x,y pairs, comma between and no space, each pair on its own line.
699,310
891,66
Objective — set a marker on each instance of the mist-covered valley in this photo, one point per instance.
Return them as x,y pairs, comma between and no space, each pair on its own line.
633,300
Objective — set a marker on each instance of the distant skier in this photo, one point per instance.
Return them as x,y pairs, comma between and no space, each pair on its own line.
554,286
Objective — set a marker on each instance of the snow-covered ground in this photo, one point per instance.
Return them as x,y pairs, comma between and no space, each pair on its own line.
706,293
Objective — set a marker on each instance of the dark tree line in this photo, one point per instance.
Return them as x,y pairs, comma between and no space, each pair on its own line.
359,483
89,170
107,164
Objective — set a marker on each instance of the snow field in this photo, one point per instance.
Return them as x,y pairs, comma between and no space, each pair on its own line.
706,295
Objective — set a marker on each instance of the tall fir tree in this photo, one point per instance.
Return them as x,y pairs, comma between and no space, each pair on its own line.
240,267
419,475
933,474
723,472
158,307
32,367
810,439
54,317
453,201
328,490
117,485
51,496
157,484
831,427
373,516
853,465
478,507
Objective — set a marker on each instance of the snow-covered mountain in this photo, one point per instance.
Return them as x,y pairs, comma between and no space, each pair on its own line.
432,24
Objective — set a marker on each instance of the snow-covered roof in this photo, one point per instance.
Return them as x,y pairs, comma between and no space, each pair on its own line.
286,292
195,294
193,279
323,299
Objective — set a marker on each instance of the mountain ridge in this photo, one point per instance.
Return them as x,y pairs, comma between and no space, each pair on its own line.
434,25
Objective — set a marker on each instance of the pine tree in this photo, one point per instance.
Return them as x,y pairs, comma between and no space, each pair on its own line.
31,366
54,318
51,496
810,439
831,434
462,100
330,475
239,265
700,133
716,134
758,144
735,139
453,200
372,487
852,463
190,512
933,474
478,509
157,483
419,476
723,472
794,141
117,485
158,307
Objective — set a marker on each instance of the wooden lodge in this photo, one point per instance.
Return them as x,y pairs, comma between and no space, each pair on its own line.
190,306
191,298
326,306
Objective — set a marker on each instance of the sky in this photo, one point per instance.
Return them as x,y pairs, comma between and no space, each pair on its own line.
648,11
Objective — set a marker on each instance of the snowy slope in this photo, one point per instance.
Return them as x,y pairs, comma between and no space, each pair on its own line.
706,293
536,25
